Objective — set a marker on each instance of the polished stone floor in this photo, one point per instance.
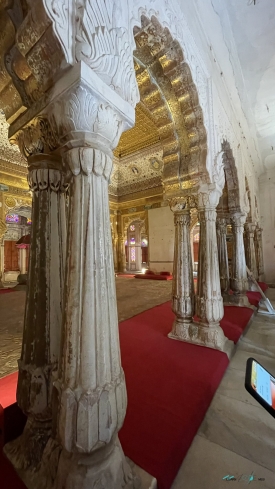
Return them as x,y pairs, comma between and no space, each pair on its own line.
133,297
237,436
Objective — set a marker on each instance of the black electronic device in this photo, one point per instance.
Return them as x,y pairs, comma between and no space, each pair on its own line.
260,384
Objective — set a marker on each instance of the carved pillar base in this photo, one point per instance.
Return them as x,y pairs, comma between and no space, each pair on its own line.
107,468
59,469
26,451
199,334
240,300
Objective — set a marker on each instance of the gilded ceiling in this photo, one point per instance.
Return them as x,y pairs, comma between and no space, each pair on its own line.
143,134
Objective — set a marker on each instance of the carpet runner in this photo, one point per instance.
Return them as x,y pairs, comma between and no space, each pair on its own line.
170,386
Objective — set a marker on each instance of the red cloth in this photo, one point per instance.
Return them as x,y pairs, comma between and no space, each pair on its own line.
8,389
6,291
254,297
235,321
170,385
263,286
153,276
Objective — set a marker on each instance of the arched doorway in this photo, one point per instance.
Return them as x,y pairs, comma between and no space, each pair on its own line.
136,247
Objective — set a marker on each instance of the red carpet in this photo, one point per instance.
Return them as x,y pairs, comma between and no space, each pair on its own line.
254,297
8,389
154,277
6,291
263,286
170,385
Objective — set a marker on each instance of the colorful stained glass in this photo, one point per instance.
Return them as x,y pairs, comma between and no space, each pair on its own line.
144,242
12,218
133,254
29,221
132,227
196,237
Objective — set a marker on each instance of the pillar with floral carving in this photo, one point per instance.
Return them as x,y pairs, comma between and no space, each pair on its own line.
90,391
221,225
209,301
250,253
183,295
238,281
43,311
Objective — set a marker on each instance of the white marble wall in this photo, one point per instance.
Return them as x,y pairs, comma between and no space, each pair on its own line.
161,239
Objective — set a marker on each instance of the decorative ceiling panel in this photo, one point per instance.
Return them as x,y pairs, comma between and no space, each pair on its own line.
143,134
8,152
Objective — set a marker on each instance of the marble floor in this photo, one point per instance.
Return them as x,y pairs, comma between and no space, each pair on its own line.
237,436
133,297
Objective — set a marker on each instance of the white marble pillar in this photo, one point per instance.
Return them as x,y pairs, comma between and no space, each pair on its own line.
183,295
238,281
223,255
90,391
121,244
259,252
209,301
2,262
250,253
138,246
43,312
22,258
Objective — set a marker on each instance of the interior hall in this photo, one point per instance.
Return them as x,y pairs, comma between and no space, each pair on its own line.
137,244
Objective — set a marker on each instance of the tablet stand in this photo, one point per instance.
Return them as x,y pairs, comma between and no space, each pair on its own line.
265,306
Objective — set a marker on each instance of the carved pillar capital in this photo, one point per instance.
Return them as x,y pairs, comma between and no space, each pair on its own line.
221,224
183,203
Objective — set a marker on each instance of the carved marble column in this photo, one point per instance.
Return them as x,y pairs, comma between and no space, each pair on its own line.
250,253
121,244
2,249
3,228
43,312
22,257
90,391
115,252
221,225
183,295
209,301
138,251
238,281
259,252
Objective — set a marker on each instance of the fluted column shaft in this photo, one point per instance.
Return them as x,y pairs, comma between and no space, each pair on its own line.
209,300
222,253
250,253
2,251
238,281
90,391
259,252
43,311
183,282
121,244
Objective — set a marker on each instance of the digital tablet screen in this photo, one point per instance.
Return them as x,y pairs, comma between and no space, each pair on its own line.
263,383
